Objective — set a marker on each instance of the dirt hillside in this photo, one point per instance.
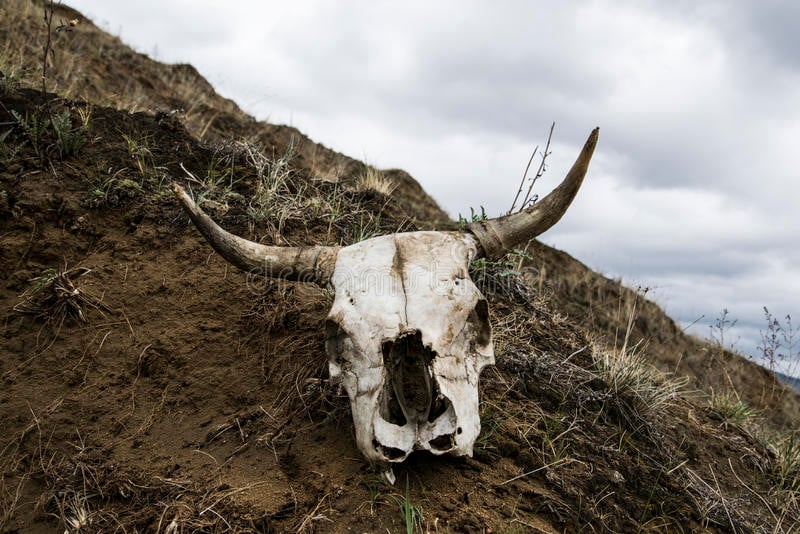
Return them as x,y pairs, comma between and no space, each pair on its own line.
146,385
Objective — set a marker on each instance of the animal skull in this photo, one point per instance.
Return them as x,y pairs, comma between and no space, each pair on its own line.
408,335
408,332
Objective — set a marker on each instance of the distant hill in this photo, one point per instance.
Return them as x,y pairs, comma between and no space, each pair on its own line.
791,380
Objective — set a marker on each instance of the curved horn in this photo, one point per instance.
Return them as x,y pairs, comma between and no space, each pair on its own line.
498,236
302,264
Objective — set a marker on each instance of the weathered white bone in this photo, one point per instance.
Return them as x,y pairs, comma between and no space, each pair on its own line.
410,293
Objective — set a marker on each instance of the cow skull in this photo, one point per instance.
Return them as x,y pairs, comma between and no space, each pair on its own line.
408,335
408,332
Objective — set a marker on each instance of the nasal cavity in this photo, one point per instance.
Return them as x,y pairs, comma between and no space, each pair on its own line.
442,443
409,362
390,453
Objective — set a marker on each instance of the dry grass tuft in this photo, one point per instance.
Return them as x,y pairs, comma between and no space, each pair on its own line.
54,297
786,471
374,181
638,389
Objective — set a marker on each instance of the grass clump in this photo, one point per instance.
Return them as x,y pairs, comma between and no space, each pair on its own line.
786,470
215,189
637,388
374,181
53,297
730,407
272,185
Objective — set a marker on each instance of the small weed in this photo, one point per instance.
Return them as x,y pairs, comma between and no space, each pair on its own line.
374,483
730,407
722,325
70,139
139,152
40,128
529,197
35,126
778,342
412,513
473,217
111,190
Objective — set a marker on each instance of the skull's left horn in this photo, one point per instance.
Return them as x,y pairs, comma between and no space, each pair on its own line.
302,264
500,235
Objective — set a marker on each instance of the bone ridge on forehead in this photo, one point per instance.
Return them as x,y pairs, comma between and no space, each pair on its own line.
417,281
442,253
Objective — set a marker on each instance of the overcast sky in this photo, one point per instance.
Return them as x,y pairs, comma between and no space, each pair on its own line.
693,190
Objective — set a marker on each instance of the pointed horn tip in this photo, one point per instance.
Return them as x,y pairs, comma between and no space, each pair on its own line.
497,236
184,197
588,148
179,191
593,137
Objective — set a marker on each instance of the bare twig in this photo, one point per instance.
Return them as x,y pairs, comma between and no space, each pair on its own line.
47,51
552,464
522,182
539,172
313,516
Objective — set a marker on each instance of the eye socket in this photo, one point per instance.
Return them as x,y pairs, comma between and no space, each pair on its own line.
333,340
480,318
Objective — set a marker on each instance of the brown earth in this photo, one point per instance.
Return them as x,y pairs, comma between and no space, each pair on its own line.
186,396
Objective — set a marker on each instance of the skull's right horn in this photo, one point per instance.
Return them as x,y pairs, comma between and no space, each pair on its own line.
300,264
500,235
